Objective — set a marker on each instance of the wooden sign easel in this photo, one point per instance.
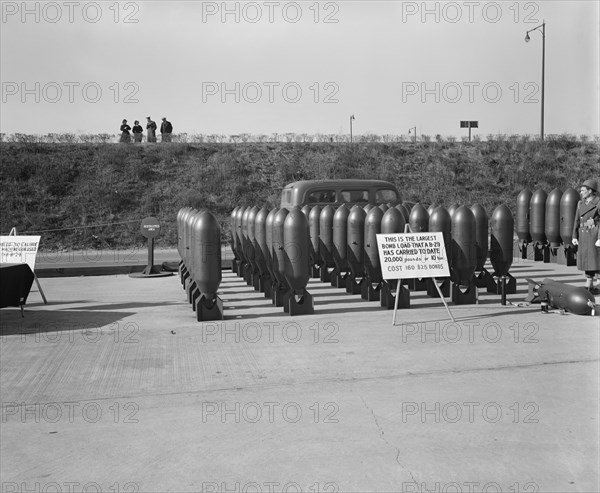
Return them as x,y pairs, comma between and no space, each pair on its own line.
407,229
13,232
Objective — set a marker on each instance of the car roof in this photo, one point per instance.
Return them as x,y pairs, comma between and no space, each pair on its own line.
339,183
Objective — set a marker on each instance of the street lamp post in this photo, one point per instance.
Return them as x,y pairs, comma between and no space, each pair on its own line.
527,38
351,118
414,130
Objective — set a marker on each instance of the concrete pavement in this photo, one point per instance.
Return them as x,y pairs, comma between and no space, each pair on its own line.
113,386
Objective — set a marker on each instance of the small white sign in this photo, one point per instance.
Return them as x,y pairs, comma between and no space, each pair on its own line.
19,250
412,255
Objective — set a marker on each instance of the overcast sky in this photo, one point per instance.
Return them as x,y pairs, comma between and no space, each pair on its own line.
303,67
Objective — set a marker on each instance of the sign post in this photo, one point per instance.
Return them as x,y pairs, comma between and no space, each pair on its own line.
469,124
413,255
21,250
150,229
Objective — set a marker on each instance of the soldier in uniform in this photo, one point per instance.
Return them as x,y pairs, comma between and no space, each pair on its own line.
166,129
151,127
586,233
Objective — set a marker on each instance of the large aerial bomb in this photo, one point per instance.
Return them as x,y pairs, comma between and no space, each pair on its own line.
313,260
326,242
240,240
190,284
355,252
244,236
253,275
482,277
393,222
268,253
183,235
464,256
281,287
431,208
418,221
405,211
408,205
260,252
537,225
371,284
501,251
234,240
239,243
368,207
577,300
481,235
523,232
313,225
296,262
452,208
340,246
181,218
441,222
552,222
568,208
206,269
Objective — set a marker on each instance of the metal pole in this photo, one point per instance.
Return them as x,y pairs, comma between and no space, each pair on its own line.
350,129
543,72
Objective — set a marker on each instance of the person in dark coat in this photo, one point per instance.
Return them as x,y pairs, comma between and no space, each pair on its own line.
137,131
166,129
125,135
151,127
586,233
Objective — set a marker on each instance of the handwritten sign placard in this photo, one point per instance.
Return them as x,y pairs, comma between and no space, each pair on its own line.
412,255
19,250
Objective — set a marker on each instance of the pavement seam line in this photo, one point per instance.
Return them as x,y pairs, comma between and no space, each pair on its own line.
382,437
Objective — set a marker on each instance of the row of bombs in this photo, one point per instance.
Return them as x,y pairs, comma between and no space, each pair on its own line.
199,246
277,251
545,221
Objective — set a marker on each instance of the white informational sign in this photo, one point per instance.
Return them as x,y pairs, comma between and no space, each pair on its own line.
19,250
412,255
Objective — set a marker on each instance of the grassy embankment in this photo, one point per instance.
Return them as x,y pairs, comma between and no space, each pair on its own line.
72,188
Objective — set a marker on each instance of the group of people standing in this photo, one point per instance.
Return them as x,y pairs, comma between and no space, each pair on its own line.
166,130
